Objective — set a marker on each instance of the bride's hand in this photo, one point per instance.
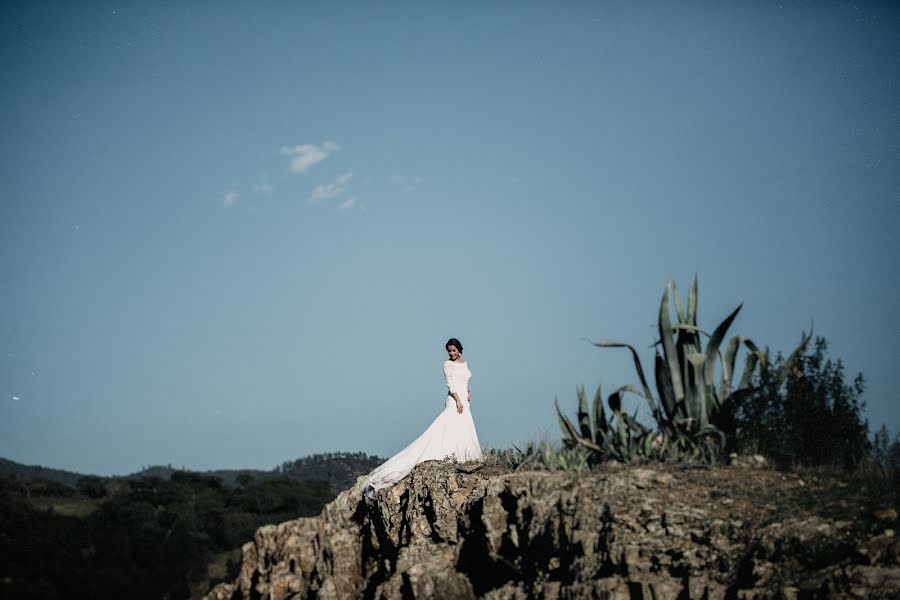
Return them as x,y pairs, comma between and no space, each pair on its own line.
459,407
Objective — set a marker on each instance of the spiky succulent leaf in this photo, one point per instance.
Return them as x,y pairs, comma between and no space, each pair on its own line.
679,310
569,433
695,393
615,402
624,438
664,387
601,428
728,360
634,425
584,417
692,303
749,365
637,362
792,359
712,346
572,434
669,351
689,328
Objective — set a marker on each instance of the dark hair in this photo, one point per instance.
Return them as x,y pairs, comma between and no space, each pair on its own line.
453,342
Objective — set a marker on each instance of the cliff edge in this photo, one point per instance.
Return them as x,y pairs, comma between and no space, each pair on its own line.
463,531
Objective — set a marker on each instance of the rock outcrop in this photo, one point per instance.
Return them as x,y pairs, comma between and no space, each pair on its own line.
458,531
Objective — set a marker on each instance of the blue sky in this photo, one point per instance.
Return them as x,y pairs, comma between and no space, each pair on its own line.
233,234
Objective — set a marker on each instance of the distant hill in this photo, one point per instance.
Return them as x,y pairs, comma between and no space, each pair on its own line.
339,469
9,467
228,476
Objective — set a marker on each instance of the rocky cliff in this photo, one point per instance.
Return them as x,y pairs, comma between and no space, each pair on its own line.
454,531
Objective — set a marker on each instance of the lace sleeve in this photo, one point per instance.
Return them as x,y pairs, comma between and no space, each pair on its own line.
448,375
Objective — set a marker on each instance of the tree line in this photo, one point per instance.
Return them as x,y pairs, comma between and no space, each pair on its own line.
147,537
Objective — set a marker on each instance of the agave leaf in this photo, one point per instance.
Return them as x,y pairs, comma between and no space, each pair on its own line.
698,359
690,405
680,328
792,359
615,402
566,425
671,356
664,386
688,337
569,429
624,438
697,387
763,359
728,365
637,362
634,425
692,303
712,347
728,361
637,392
687,343
753,348
584,417
749,366
678,308
688,328
600,426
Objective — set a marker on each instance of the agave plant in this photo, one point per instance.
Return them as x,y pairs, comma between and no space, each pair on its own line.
693,411
620,437
544,457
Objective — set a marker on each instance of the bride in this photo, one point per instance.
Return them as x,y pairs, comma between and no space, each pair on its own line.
452,434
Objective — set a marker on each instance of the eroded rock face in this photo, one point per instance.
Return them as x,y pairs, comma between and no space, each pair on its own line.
626,533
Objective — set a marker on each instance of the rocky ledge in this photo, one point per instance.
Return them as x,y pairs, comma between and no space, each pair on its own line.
460,531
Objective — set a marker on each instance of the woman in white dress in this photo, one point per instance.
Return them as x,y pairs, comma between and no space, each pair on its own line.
452,434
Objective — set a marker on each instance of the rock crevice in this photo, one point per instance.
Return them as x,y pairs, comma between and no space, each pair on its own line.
625,533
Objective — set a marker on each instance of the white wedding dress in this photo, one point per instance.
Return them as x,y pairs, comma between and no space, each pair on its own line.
452,434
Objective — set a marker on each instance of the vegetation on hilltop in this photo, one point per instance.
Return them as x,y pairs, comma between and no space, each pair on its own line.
797,410
150,536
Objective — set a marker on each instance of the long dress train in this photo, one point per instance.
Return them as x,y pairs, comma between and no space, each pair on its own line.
451,434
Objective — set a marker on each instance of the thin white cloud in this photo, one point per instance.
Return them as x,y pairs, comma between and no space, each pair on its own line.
263,188
408,182
326,191
230,198
305,156
351,203
405,179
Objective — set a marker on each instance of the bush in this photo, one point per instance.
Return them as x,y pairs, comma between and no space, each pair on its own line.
813,418
92,486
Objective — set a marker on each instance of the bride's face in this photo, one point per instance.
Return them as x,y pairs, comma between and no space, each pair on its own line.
453,352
